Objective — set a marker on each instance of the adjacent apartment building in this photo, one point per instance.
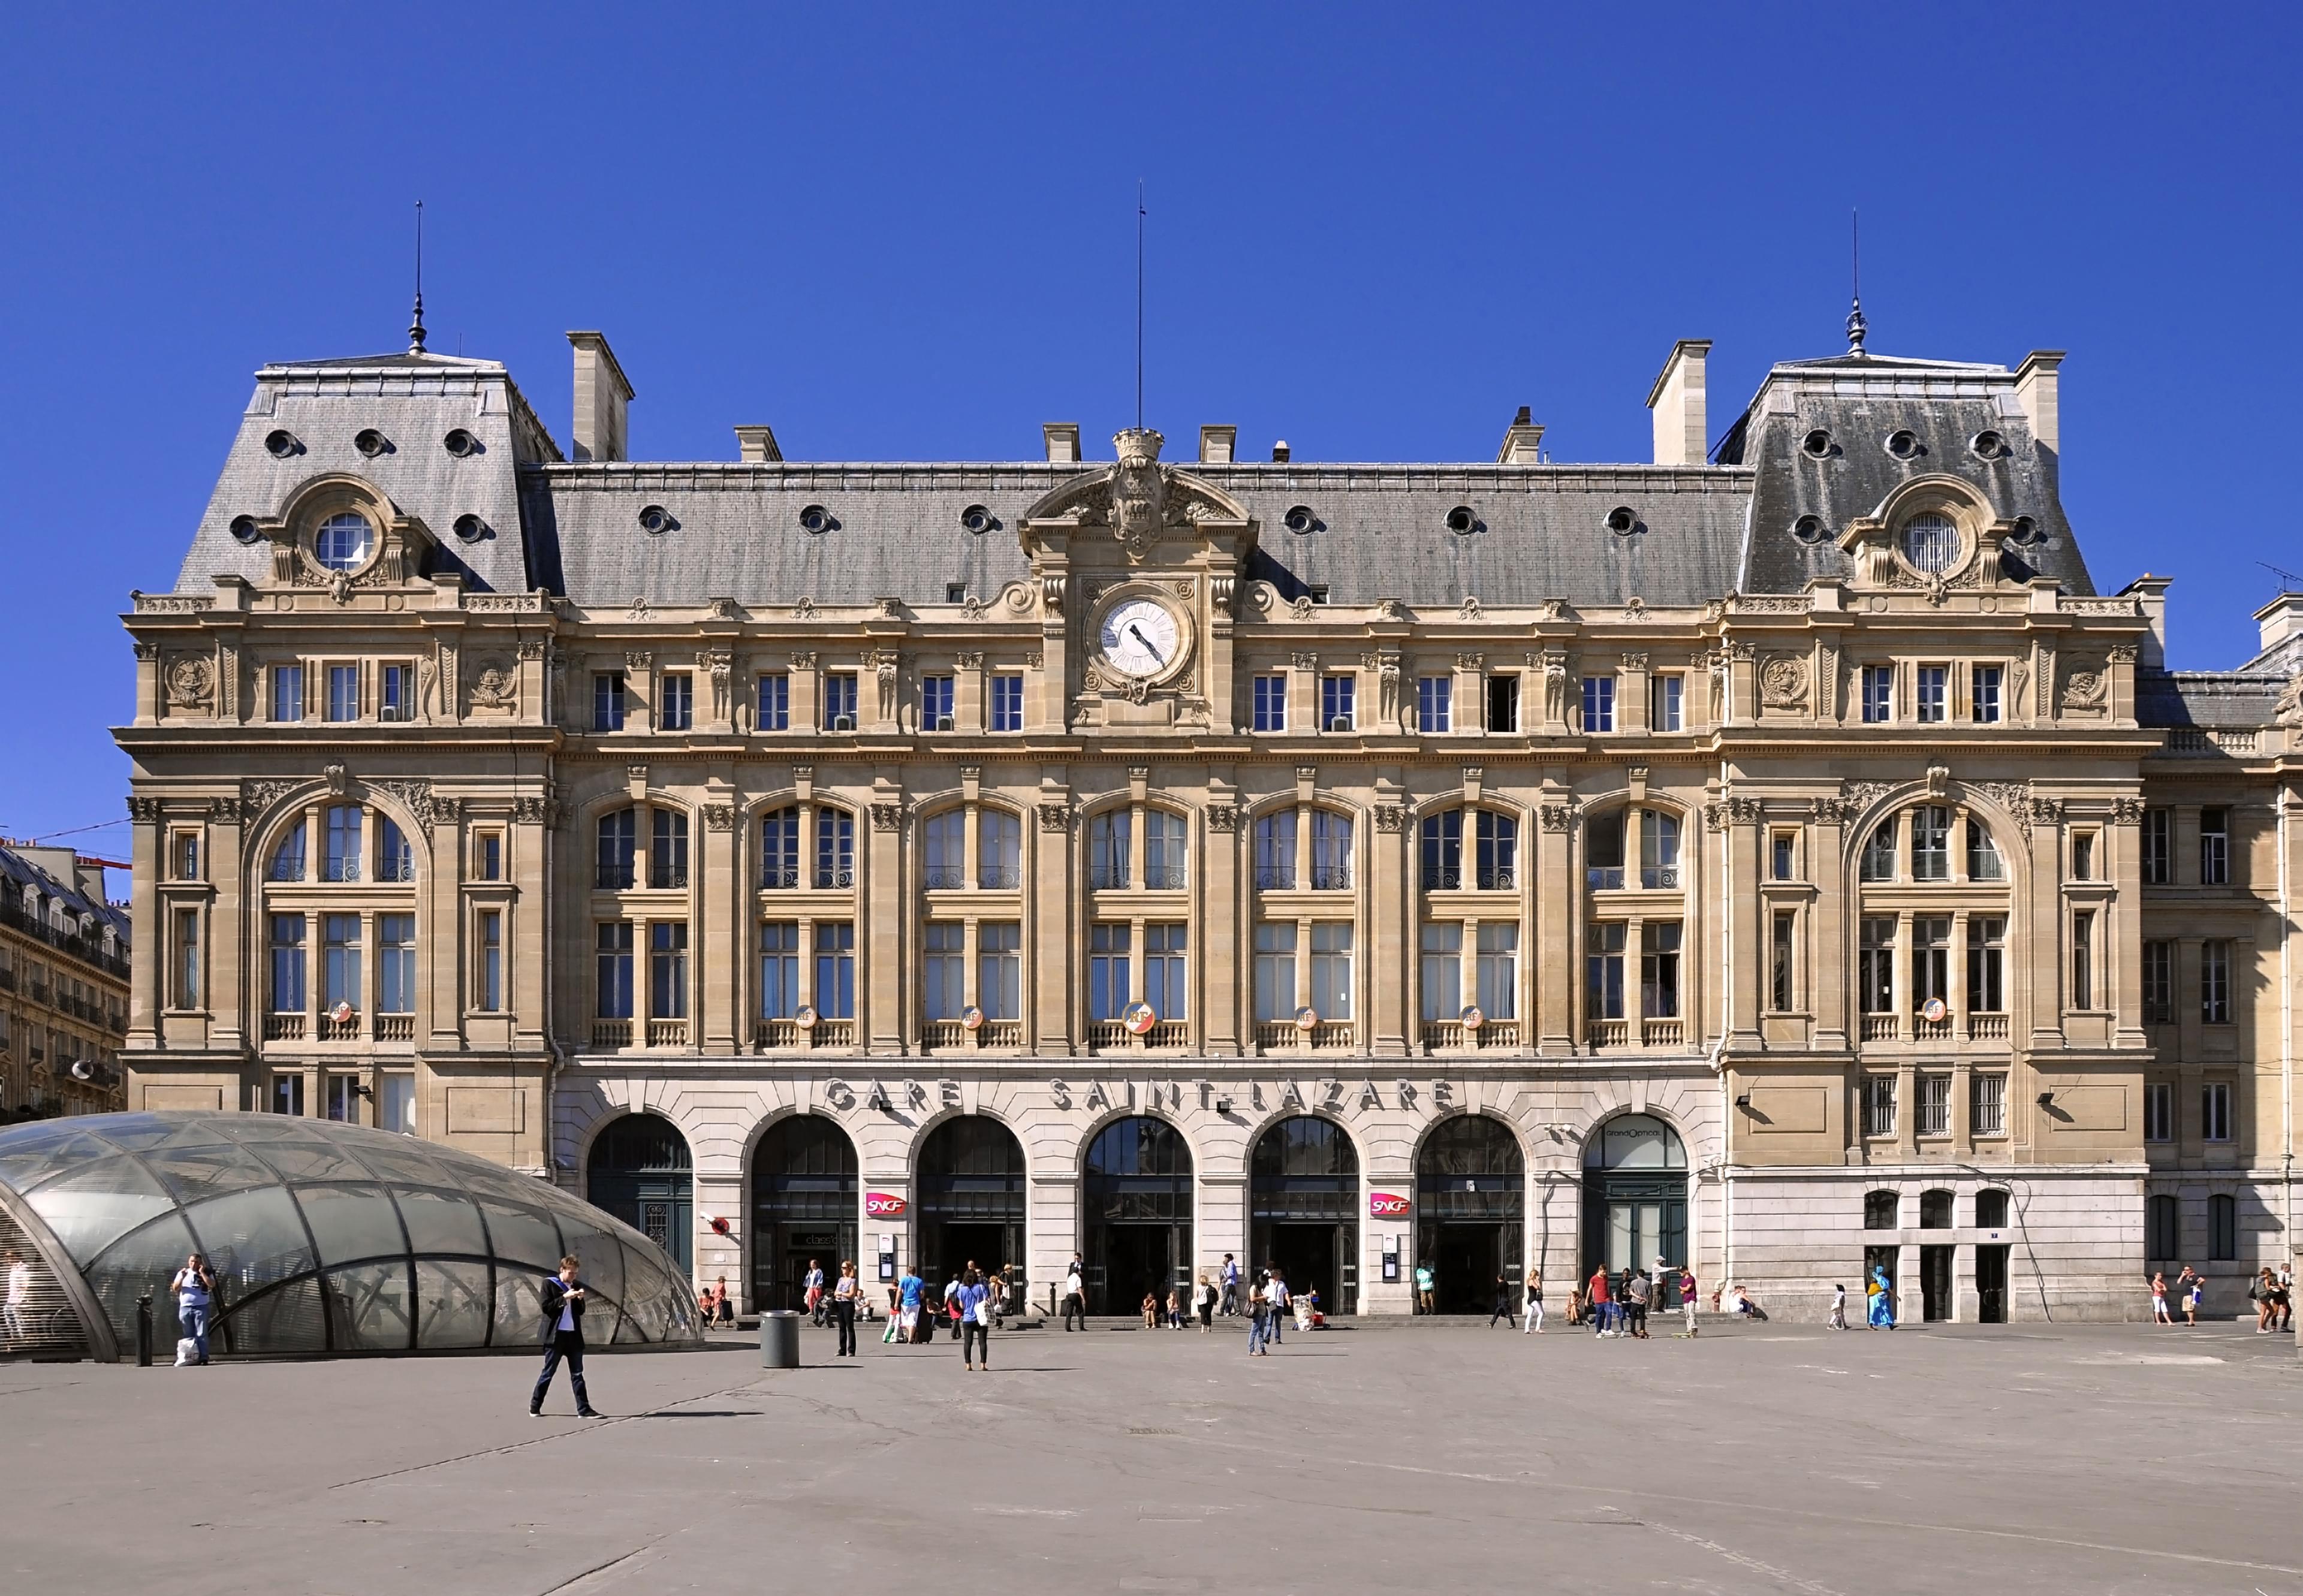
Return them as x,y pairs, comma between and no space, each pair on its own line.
63,985
1782,856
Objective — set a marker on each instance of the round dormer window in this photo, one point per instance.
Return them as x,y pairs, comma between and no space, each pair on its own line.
1931,544
343,541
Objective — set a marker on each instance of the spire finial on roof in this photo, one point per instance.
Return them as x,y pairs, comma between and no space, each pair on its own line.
1856,326
416,322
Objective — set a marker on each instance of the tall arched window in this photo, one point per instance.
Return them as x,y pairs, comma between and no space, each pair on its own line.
1110,844
1275,851
835,848
944,847
999,851
1164,851
617,845
1879,1210
288,857
780,848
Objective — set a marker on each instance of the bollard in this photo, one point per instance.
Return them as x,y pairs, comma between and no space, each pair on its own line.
779,1339
144,1331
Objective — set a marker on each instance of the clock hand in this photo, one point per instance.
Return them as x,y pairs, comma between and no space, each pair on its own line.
1138,632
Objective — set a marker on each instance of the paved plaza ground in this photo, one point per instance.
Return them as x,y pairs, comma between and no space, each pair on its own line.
1399,1457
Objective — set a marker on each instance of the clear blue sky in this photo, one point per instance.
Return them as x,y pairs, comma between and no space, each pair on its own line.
909,234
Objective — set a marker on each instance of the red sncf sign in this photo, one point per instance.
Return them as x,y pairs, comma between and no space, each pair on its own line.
1386,1205
881,1205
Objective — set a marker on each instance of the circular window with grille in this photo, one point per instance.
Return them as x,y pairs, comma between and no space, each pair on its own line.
343,541
1931,543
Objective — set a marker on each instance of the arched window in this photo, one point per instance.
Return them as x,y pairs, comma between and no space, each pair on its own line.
1984,861
1494,864
668,849
2163,1236
1608,838
395,860
1164,851
943,844
1331,851
780,848
1879,852
1934,1210
1931,842
617,842
288,857
1470,1146
1110,846
1879,1210
1139,1147
999,851
341,861
835,848
1275,851
1991,1208
1305,1146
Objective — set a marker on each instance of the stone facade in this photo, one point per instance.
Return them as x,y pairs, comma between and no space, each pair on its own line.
63,985
1744,839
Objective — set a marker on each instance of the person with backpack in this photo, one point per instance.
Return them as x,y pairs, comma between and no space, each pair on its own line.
909,1288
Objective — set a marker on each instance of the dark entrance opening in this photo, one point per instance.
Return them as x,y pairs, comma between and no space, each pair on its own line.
639,1171
1304,1208
804,1207
969,1196
1935,1283
1137,1191
1635,1198
1991,1284
1470,1195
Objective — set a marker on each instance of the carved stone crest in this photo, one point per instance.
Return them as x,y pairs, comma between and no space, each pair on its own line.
720,817
495,684
1055,817
191,681
1782,682
1139,490
1556,817
2126,811
2087,688
415,796
887,817
1390,817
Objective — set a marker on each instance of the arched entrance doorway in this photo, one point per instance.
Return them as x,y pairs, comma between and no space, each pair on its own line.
1634,1194
804,1198
1136,1189
639,1171
968,1198
1471,1189
1304,1208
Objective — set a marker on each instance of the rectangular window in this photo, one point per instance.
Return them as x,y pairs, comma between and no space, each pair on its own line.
955,592
775,702
1331,968
1878,694
1271,704
1603,852
1986,1105
1164,850
2161,1228
779,968
487,856
999,851
1110,972
1603,971
779,848
1331,851
1666,703
2158,1111
395,1104
1498,969
1784,864
936,713
188,958
2214,848
1879,852
675,702
1000,970
2215,1111
613,994
1598,703
2083,959
286,692
2158,847
1275,971
667,850
1658,850
1984,860
184,856
2223,1227
1933,1106
1495,851
1007,703
395,859
1659,969
943,969
395,964
340,968
1336,693
1435,703
1443,971
607,701
1110,851
1165,947
1930,960
489,977
944,845
1502,702
835,850
840,701
835,969
1931,842
288,1095
2158,984
344,1099
1986,965
2082,855
1930,705
668,969
2215,983
395,698
1443,851
287,964
1875,972
1779,969
617,843
1983,690
1878,1105
343,692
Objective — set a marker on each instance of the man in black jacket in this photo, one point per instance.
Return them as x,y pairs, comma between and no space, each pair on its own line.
563,1338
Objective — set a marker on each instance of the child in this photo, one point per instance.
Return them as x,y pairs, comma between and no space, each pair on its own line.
1838,1320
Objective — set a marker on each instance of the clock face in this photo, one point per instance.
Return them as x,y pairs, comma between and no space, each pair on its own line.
1140,637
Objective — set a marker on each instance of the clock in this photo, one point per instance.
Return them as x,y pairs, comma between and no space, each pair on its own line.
1141,636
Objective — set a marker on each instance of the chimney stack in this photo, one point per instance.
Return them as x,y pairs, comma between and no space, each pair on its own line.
1522,443
602,399
1217,443
1280,453
1062,438
1677,401
756,445
2037,390
2282,621
2150,594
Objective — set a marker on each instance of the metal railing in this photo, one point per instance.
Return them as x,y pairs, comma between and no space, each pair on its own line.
779,877
998,878
836,879
944,878
668,880
1105,879
1660,878
1604,878
1275,878
1165,878
1331,878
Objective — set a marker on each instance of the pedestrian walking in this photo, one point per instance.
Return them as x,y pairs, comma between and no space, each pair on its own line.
1687,1297
1882,1312
1205,1301
909,1289
975,1321
1636,1286
1423,1284
1838,1320
19,1292
564,1339
1503,1304
1230,1287
727,1304
844,1295
1603,1310
813,1285
195,1289
1275,1296
2159,1313
2263,1291
1075,1294
1534,1303
2286,1297
1258,1321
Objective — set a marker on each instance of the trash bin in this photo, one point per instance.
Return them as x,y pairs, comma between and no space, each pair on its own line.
780,1340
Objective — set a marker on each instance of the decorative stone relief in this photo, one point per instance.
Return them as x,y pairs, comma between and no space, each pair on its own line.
968,661
1635,662
1831,811
719,664
227,811
333,775
1715,817
1303,659
805,609
414,796
495,683
1055,817
1556,817
530,648
884,665
1782,682
260,796
1390,817
639,659
1303,608
2289,711
1052,595
144,811
1469,609
2087,688
1221,817
2126,811
192,682
720,817
887,817
1469,661
1744,811
1223,592
526,811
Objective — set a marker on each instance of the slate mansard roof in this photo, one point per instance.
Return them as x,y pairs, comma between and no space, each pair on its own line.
1377,530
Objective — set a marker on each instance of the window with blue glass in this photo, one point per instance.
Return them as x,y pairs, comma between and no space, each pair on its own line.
1878,694
676,702
1435,703
1165,987
1110,977
286,692
778,969
343,831
287,964
395,964
613,980
775,702
395,860
943,972
1336,693
840,701
608,701
1271,704
835,969
1007,703
835,848
343,692
1598,703
780,848
935,704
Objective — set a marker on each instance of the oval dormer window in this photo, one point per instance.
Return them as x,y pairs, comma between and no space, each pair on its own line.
1931,544
342,541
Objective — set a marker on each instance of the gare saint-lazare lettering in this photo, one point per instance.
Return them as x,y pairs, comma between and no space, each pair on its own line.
1322,1094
